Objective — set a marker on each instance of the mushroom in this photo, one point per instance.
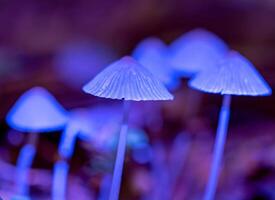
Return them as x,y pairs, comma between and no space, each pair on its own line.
152,54
34,112
234,75
195,51
126,80
85,124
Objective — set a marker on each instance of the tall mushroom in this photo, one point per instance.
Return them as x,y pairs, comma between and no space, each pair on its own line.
126,80
34,112
234,75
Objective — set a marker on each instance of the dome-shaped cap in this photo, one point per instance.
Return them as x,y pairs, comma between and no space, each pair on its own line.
129,80
37,111
195,51
234,75
152,54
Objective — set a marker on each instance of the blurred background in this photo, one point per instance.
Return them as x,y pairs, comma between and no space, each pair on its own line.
61,45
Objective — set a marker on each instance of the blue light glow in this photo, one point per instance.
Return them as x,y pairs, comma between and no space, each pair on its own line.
152,54
195,51
127,79
88,124
37,111
136,139
18,197
142,155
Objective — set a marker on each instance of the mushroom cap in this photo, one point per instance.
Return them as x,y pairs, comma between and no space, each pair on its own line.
195,51
152,54
234,75
129,80
37,111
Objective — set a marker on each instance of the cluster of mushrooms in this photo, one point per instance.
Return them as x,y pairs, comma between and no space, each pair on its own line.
152,73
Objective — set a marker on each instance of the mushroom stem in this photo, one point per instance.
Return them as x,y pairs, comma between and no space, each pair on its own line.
116,181
24,163
61,169
67,142
218,148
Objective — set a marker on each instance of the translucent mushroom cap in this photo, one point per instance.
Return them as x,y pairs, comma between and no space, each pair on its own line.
152,54
37,111
234,75
195,51
129,80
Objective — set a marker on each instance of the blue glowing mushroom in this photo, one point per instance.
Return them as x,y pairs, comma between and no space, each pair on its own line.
195,51
152,53
127,80
86,124
234,75
34,112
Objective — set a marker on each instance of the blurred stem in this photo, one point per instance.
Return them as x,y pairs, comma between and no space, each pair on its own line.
61,169
67,142
116,181
219,148
24,162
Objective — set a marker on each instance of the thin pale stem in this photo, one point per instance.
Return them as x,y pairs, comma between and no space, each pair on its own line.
218,148
24,162
67,143
116,181
61,169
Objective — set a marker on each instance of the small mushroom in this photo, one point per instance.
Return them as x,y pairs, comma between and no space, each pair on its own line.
234,75
85,124
195,51
152,53
126,80
34,112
